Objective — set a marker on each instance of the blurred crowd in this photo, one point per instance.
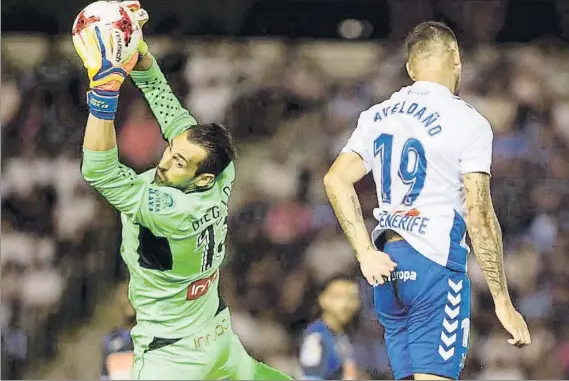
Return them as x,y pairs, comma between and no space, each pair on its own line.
291,107
59,242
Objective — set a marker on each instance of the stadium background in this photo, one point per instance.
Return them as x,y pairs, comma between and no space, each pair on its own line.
289,78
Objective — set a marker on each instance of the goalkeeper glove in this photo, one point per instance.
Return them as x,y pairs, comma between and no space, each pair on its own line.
98,54
141,17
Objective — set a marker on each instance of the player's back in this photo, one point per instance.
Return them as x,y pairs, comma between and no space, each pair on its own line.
417,144
173,260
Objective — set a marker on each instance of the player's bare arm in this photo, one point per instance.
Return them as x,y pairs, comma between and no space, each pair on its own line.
339,182
485,234
100,134
486,237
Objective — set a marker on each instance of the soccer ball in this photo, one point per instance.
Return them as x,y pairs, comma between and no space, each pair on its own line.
117,26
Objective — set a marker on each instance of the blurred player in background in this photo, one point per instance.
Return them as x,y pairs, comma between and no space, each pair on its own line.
326,352
430,153
174,221
117,348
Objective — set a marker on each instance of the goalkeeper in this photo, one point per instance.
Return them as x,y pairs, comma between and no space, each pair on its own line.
174,221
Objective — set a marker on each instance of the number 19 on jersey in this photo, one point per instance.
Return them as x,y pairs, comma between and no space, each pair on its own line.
412,167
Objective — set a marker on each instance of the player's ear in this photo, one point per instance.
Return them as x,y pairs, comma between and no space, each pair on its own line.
457,61
204,180
321,300
455,54
410,70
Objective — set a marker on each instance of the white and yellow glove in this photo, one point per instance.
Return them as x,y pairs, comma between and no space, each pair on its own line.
142,18
99,54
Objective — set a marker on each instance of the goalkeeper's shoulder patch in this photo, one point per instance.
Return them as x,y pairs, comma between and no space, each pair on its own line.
159,201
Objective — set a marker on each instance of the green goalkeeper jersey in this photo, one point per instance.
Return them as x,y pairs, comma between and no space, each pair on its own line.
172,242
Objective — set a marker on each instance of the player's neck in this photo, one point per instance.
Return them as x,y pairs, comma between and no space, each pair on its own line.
331,322
448,83
435,68
435,72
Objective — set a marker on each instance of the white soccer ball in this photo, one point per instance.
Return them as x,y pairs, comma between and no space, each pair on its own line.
118,28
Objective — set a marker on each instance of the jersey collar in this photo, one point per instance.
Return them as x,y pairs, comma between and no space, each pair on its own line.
202,189
427,86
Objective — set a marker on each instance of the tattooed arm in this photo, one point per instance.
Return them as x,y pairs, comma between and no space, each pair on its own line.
485,233
486,238
339,183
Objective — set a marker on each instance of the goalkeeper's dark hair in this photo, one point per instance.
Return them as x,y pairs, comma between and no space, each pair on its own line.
426,36
216,139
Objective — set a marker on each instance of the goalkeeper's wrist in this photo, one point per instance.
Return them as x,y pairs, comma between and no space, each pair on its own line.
145,63
103,103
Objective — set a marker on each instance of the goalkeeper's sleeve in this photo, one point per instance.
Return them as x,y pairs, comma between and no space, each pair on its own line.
165,211
172,117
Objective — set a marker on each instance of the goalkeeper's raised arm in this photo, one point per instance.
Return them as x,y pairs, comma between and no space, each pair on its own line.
172,117
147,76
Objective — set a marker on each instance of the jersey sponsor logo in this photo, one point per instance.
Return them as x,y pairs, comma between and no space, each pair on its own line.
311,350
411,222
427,118
159,201
212,336
411,212
200,287
402,276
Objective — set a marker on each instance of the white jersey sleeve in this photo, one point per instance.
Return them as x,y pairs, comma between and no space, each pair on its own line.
476,156
359,144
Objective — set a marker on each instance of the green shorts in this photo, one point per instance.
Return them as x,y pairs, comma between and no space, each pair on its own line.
216,354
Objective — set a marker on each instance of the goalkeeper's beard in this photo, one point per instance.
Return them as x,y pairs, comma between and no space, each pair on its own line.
161,180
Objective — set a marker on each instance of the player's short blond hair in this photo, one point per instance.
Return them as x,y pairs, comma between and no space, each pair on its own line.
428,38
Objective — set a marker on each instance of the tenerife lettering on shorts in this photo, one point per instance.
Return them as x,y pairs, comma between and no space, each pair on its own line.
428,118
412,224
213,335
